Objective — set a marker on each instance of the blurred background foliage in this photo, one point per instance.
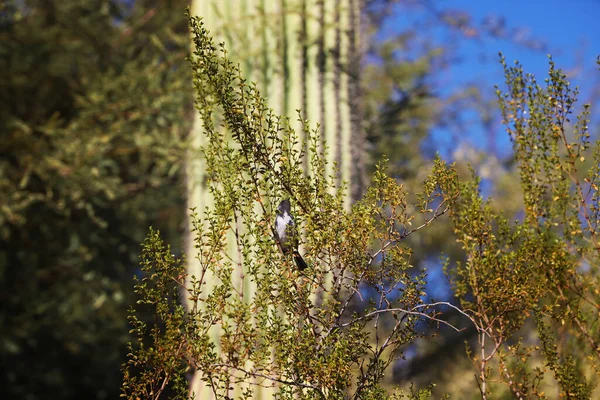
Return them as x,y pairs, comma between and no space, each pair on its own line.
95,106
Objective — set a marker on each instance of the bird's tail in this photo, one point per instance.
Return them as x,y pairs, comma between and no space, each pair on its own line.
300,261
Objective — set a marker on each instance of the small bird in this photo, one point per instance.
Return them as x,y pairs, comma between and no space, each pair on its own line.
287,235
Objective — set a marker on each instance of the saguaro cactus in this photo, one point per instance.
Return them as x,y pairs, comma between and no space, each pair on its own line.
304,55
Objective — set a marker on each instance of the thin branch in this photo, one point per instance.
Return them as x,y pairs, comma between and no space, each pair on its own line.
270,378
437,213
482,366
511,383
413,312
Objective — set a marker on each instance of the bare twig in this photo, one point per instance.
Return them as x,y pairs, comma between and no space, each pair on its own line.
413,311
255,374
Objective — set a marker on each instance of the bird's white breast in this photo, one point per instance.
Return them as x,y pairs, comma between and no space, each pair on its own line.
282,222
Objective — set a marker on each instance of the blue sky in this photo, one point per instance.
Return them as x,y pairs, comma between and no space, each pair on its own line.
570,31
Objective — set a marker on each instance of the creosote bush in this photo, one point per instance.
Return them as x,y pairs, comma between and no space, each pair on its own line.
539,272
313,334
528,282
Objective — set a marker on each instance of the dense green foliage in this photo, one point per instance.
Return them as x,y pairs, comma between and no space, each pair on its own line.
92,116
527,286
311,336
95,97
538,271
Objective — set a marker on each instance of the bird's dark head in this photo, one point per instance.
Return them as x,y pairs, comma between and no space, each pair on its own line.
284,206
